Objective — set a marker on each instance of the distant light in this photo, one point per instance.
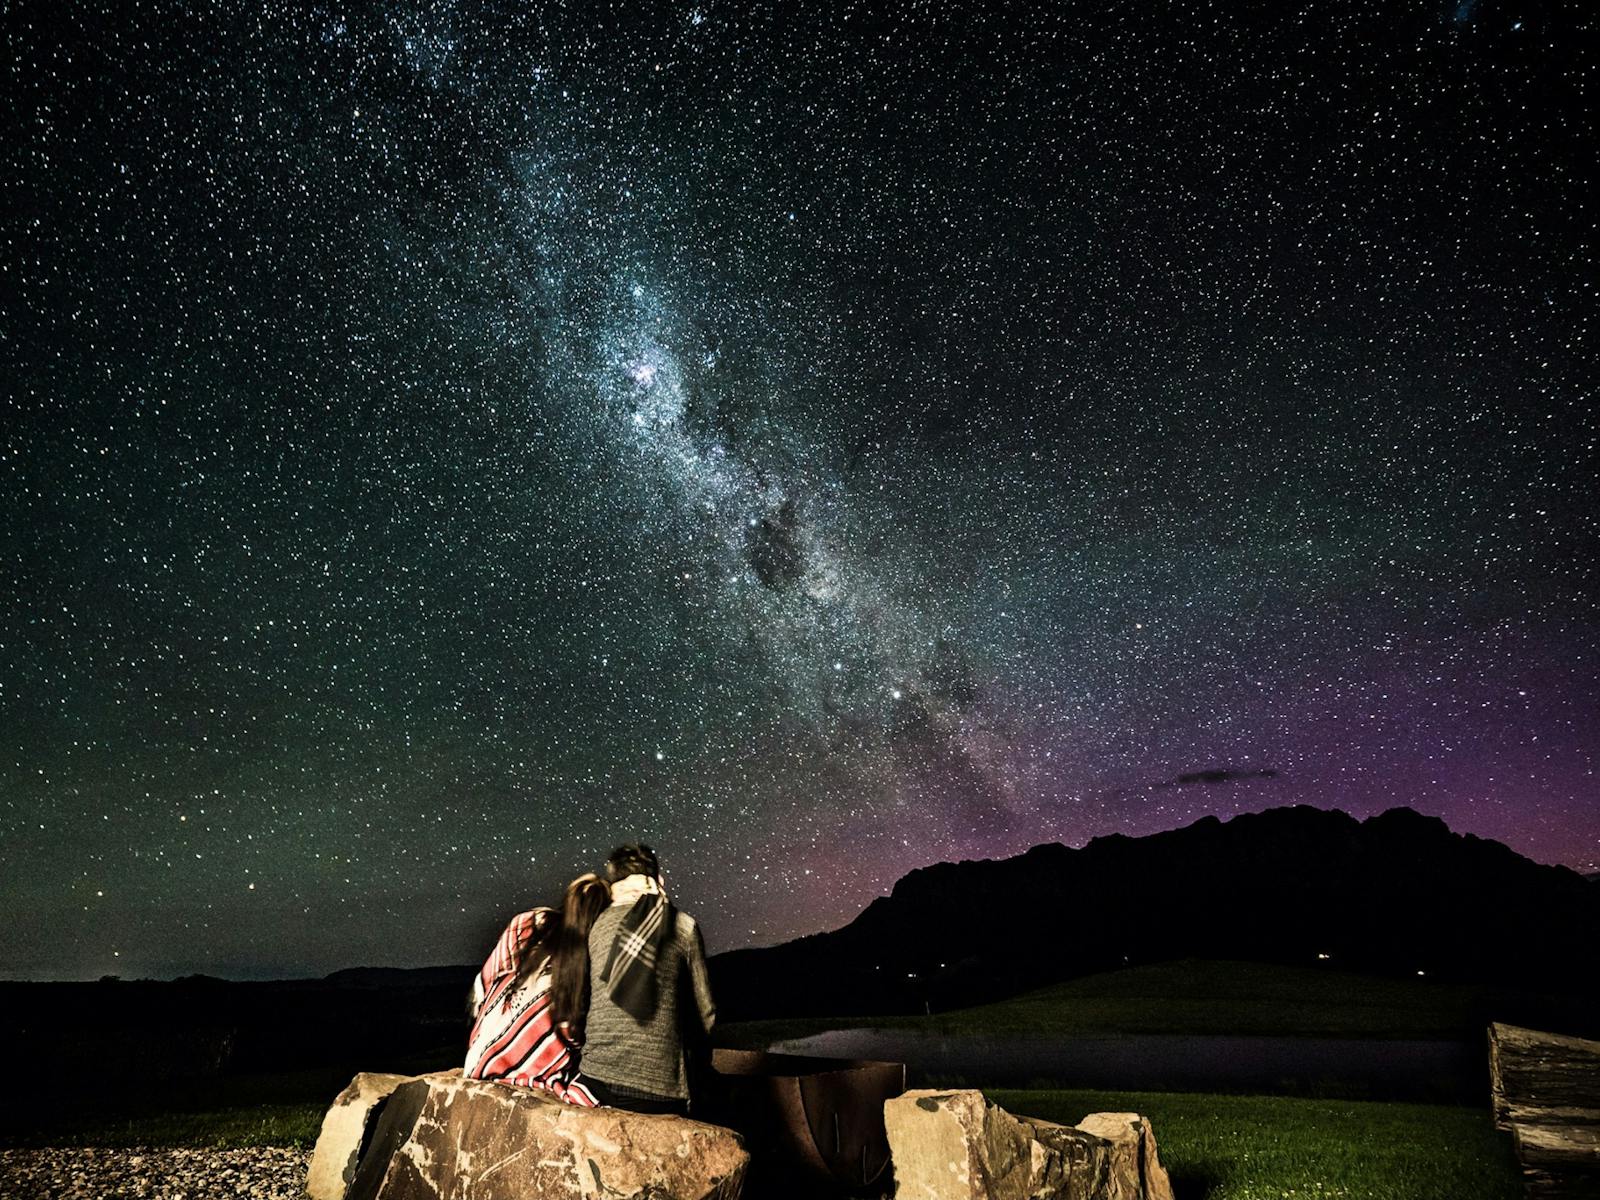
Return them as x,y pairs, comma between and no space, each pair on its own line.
1324,956
1421,972
659,756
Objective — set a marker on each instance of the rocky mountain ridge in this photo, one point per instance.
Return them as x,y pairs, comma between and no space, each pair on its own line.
1398,893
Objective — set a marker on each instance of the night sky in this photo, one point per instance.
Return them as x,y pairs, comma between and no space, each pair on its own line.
440,441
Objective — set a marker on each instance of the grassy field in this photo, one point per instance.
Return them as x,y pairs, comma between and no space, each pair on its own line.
294,1125
283,1109
1209,997
1275,1148
1216,1147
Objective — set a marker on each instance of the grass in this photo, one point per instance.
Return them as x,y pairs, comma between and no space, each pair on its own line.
1216,1147
1229,998
1269,1148
293,1125
277,1109
1211,997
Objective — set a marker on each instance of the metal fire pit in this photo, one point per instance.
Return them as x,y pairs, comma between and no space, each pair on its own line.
807,1120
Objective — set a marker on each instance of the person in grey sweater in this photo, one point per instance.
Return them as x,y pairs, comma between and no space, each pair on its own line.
650,993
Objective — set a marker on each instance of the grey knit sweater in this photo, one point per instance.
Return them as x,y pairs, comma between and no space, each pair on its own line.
647,1057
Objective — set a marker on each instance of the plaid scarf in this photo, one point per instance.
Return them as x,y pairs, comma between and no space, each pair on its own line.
630,972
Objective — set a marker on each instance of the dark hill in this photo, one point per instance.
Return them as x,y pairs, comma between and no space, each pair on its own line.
457,977
1396,894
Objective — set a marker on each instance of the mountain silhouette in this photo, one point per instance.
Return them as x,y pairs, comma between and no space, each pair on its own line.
458,977
1397,894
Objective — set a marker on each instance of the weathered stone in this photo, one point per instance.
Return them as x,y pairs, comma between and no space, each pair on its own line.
1134,1168
344,1128
1068,1163
443,1137
955,1145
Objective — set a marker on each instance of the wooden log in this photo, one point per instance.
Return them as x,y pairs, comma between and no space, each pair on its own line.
1523,1114
1542,1073
1549,1147
1559,1163
1545,1089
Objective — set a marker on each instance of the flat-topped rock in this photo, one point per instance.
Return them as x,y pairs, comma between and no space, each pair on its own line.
955,1145
444,1137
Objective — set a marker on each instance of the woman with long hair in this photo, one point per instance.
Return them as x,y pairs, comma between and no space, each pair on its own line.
532,995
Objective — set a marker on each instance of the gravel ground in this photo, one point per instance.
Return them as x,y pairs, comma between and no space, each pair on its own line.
90,1173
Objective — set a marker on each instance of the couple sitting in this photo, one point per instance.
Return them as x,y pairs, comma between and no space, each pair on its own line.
601,976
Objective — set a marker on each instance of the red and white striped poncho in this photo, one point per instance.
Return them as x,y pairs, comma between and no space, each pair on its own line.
514,1038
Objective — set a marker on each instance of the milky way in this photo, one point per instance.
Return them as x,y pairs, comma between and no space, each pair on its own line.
442,441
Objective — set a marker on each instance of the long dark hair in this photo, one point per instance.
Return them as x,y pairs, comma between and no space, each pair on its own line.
563,942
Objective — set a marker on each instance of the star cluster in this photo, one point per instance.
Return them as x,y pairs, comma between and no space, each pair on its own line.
444,439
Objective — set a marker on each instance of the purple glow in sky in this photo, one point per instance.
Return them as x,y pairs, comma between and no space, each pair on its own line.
443,441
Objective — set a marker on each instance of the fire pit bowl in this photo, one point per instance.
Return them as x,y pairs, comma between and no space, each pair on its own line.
807,1121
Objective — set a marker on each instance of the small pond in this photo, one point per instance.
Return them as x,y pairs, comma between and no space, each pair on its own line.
1354,1068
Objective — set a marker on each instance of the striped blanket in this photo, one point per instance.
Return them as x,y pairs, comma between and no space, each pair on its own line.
514,1038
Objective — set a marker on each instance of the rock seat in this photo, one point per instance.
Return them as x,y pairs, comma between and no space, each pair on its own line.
955,1145
443,1137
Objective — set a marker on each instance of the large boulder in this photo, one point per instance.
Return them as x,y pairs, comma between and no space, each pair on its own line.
443,1137
344,1132
955,1145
